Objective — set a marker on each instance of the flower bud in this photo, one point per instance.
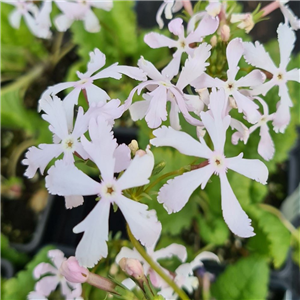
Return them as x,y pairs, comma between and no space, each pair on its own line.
132,267
245,21
133,146
72,271
213,41
225,33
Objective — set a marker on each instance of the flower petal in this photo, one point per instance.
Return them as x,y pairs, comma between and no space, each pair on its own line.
286,40
150,69
101,148
254,78
247,106
39,158
176,192
42,269
128,253
156,40
266,146
157,111
251,168
235,217
36,296
234,52
184,143
256,55
73,201
281,118
139,109
143,223
138,172
123,158
46,285
93,245
171,250
91,22
96,94
67,180
172,68
293,75
62,22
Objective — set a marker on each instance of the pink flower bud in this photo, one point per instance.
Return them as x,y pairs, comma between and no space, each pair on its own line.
132,267
225,33
72,271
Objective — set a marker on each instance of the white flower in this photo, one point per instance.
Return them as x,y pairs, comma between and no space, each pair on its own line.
176,192
68,180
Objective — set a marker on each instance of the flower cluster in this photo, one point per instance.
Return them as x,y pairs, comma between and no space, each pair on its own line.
185,90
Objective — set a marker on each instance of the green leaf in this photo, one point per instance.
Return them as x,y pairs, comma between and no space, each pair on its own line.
20,286
272,238
245,280
17,258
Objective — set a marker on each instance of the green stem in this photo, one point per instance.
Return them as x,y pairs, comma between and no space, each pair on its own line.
24,80
284,221
155,266
159,179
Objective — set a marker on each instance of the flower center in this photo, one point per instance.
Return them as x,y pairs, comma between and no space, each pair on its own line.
229,87
68,143
219,162
108,189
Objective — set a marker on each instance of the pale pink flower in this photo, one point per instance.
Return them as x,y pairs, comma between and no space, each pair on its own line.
95,94
184,277
68,180
47,284
155,40
80,10
176,192
232,86
256,55
161,90
168,252
170,7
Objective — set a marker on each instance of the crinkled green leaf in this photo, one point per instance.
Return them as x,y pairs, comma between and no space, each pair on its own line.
245,280
272,238
20,286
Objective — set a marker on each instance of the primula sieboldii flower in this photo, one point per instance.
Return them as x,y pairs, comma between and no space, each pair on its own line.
176,192
24,9
170,7
162,90
67,180
51,277
155,40
184,275
255,78
168,252
95,94
80,10
256,55
66,137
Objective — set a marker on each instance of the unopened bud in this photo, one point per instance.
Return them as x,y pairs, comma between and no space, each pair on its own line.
132,267
133,146
225,33
213,41
72,271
